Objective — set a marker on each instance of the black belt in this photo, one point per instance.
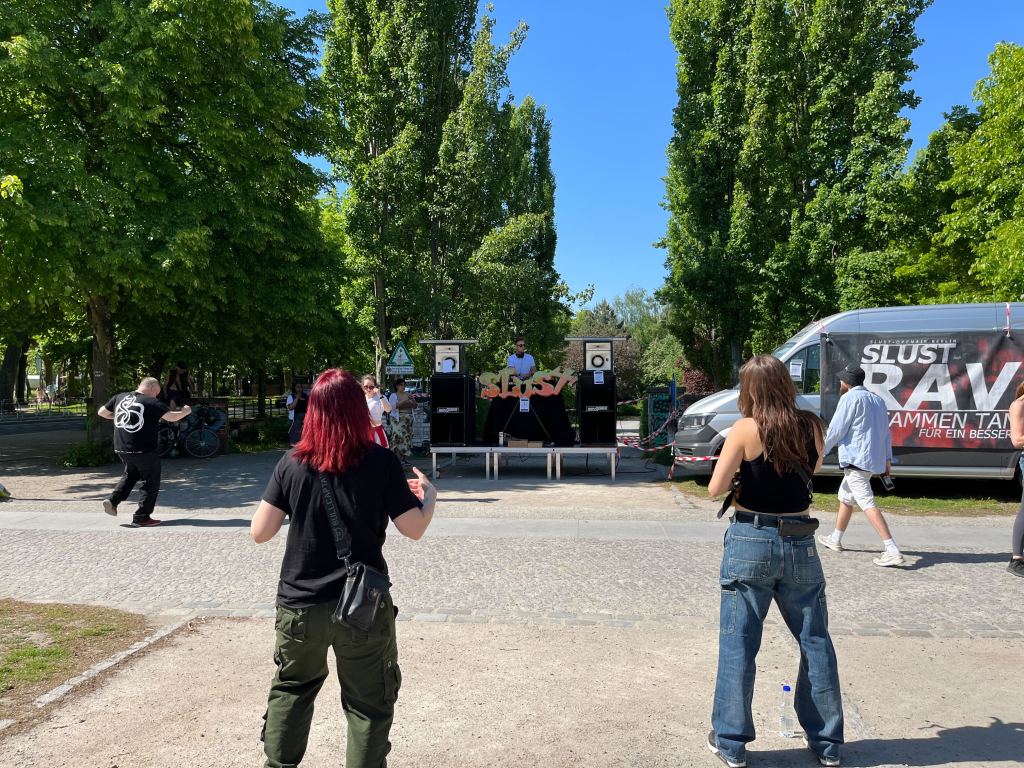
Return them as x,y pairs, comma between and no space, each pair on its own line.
788,525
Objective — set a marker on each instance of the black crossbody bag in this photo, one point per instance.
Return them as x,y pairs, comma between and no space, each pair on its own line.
365,587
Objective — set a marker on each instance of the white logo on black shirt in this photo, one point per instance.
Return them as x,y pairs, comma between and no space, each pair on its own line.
128,415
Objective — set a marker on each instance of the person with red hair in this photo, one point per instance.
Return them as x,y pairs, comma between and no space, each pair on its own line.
372,488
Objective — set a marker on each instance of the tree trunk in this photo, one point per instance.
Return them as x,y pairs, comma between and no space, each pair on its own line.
157,365
8,376
21,386
48,370
261,389
734,348
102,322
380,341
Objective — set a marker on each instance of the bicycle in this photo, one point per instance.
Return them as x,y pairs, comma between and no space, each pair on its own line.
196,433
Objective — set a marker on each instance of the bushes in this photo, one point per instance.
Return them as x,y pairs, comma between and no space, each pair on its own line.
88,455
262,435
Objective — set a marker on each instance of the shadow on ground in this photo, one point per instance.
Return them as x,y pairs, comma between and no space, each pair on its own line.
998,742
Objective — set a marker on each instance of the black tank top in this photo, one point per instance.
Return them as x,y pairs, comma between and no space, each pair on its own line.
762,489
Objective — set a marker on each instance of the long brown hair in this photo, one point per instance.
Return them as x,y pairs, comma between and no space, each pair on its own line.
767,396
1020,391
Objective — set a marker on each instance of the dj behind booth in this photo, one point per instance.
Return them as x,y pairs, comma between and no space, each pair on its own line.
531,409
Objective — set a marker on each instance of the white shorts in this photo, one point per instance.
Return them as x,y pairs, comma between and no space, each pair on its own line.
856,488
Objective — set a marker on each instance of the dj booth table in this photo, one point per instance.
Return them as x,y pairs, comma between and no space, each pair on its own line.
546,421
493,453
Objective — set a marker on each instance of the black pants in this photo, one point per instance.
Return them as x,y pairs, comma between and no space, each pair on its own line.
144,467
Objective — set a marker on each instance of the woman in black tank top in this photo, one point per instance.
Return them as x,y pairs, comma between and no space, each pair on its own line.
770,555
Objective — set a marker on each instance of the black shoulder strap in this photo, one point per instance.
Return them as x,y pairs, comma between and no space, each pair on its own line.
801,470
730,496
342,537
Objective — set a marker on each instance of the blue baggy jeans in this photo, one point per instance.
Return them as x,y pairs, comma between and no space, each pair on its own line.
758,566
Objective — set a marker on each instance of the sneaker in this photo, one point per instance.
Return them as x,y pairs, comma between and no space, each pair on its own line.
889,558
822,759
147,522
713,746
109,507
1016,567
830,543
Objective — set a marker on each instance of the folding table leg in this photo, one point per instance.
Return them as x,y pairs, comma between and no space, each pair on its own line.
549,466
434,456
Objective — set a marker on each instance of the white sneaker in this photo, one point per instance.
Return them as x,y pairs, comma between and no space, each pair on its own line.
829,542
889,558
109,508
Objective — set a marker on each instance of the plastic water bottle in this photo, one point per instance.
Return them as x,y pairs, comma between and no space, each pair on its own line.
787,718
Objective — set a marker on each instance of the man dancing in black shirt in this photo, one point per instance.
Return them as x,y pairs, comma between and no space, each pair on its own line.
137,416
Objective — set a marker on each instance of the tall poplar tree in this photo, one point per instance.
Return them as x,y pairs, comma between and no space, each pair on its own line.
449,188
785,161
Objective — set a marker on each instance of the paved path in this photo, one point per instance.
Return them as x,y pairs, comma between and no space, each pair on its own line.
520,549
546,623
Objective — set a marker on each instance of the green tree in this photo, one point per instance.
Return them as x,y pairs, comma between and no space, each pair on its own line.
449,182
988,180
159,148
786,160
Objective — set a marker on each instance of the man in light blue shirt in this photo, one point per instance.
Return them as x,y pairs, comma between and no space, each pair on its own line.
860,427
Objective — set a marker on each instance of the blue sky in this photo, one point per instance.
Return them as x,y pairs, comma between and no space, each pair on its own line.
606,72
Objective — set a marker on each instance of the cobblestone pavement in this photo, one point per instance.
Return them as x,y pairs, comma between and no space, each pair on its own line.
583,551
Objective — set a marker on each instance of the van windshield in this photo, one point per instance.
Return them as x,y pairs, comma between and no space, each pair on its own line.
781,351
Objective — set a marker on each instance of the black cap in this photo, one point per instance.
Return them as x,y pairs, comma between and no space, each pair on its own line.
852,375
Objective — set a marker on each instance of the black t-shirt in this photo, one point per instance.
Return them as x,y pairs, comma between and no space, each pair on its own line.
136,422
377,491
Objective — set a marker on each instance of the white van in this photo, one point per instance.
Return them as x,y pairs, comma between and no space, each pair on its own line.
948,373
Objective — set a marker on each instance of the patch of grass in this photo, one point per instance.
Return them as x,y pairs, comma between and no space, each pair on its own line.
42,645
917,496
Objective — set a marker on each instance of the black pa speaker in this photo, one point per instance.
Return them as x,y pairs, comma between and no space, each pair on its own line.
452,409
595,406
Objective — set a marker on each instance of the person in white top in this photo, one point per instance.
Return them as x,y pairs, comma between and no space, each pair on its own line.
378,407
521,360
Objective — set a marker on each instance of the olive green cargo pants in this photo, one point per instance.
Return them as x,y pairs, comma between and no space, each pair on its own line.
368,673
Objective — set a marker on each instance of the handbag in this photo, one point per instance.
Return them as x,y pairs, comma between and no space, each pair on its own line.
365,587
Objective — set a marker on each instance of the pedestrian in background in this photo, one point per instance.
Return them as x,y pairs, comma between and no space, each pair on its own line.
1016,566
377,405
137,416
179,385
770,555
860,427
373,489
296,405
402,408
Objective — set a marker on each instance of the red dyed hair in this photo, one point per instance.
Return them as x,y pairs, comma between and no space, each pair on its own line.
336,433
